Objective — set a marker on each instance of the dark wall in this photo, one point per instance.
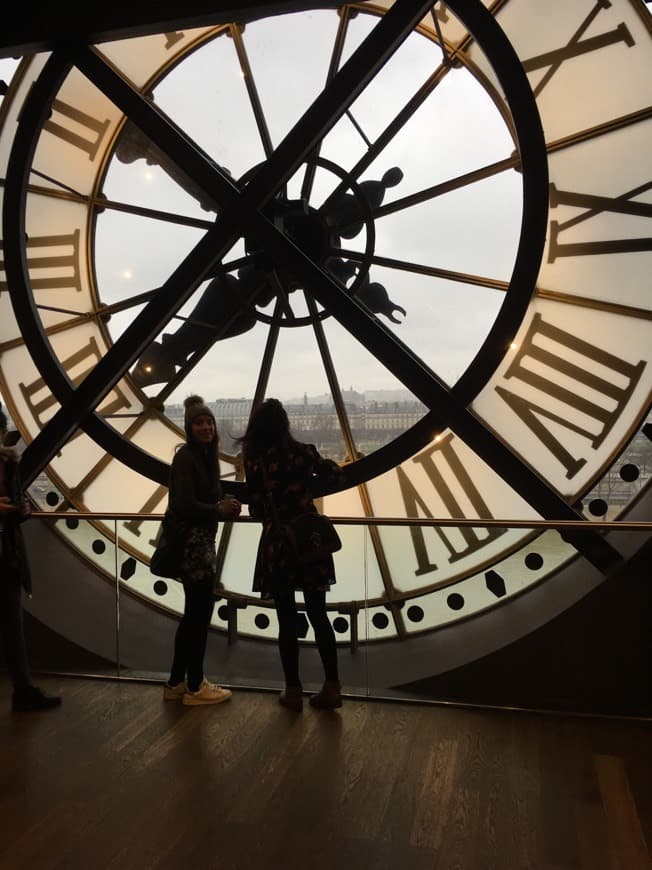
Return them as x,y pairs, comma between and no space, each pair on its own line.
49,651
595,657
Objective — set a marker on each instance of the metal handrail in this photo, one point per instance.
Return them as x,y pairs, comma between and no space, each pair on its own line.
476,522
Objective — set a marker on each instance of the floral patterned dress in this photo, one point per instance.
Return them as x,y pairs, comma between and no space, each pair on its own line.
289,473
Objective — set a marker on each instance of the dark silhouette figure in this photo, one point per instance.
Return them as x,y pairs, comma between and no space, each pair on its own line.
275,462
15,577
195,506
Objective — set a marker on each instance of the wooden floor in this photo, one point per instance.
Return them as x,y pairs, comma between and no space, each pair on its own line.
118,778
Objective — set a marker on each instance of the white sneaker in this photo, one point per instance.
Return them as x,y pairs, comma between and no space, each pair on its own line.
207,693
174,693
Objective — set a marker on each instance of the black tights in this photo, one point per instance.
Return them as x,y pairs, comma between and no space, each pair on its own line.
192,634
288,643
11,629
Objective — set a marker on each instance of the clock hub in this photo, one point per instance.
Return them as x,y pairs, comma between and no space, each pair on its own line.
306,227
346,213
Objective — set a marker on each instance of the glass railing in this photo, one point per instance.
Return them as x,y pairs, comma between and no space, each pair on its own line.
458,633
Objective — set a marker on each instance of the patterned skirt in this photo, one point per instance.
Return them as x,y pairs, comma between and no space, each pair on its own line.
199,557
275,574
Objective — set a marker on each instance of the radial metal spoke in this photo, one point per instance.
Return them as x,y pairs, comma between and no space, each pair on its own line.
268,357
440,37
152,213
358,128
349,441
430,271
336,56
102,204
444,187
252,90
390,131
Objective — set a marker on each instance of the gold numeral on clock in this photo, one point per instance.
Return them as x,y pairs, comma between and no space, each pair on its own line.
58,256
438,456
577,46
133,525
76,127
527,365
38,395
596,205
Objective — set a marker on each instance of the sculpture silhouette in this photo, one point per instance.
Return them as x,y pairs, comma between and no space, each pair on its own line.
220,312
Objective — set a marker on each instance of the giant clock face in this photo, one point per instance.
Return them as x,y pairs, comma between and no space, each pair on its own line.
425,229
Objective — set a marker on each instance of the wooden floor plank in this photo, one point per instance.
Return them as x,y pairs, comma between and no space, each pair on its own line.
628,844
119,779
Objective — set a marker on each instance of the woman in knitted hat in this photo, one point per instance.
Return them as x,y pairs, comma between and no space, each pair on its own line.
195,506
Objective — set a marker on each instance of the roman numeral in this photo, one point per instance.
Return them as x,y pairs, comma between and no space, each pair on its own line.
577,46
53,262
38,395
536,364
79,129
596,205
437,458
133,525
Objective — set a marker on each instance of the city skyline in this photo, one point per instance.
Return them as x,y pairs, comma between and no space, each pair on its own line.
399,395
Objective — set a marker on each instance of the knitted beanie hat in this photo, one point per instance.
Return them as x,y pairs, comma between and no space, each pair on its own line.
195,406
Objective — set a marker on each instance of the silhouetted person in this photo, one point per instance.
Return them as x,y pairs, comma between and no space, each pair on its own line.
15,577
195,506
275,460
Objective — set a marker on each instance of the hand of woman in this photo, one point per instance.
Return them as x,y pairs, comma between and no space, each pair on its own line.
229,508
6,504
24,510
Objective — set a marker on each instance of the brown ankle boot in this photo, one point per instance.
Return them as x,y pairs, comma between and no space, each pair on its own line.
292,698
329,697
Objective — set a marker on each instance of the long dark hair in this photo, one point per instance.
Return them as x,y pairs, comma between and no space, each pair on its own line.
268,426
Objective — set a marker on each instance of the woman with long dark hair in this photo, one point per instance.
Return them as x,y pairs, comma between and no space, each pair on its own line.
279,467
195,506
